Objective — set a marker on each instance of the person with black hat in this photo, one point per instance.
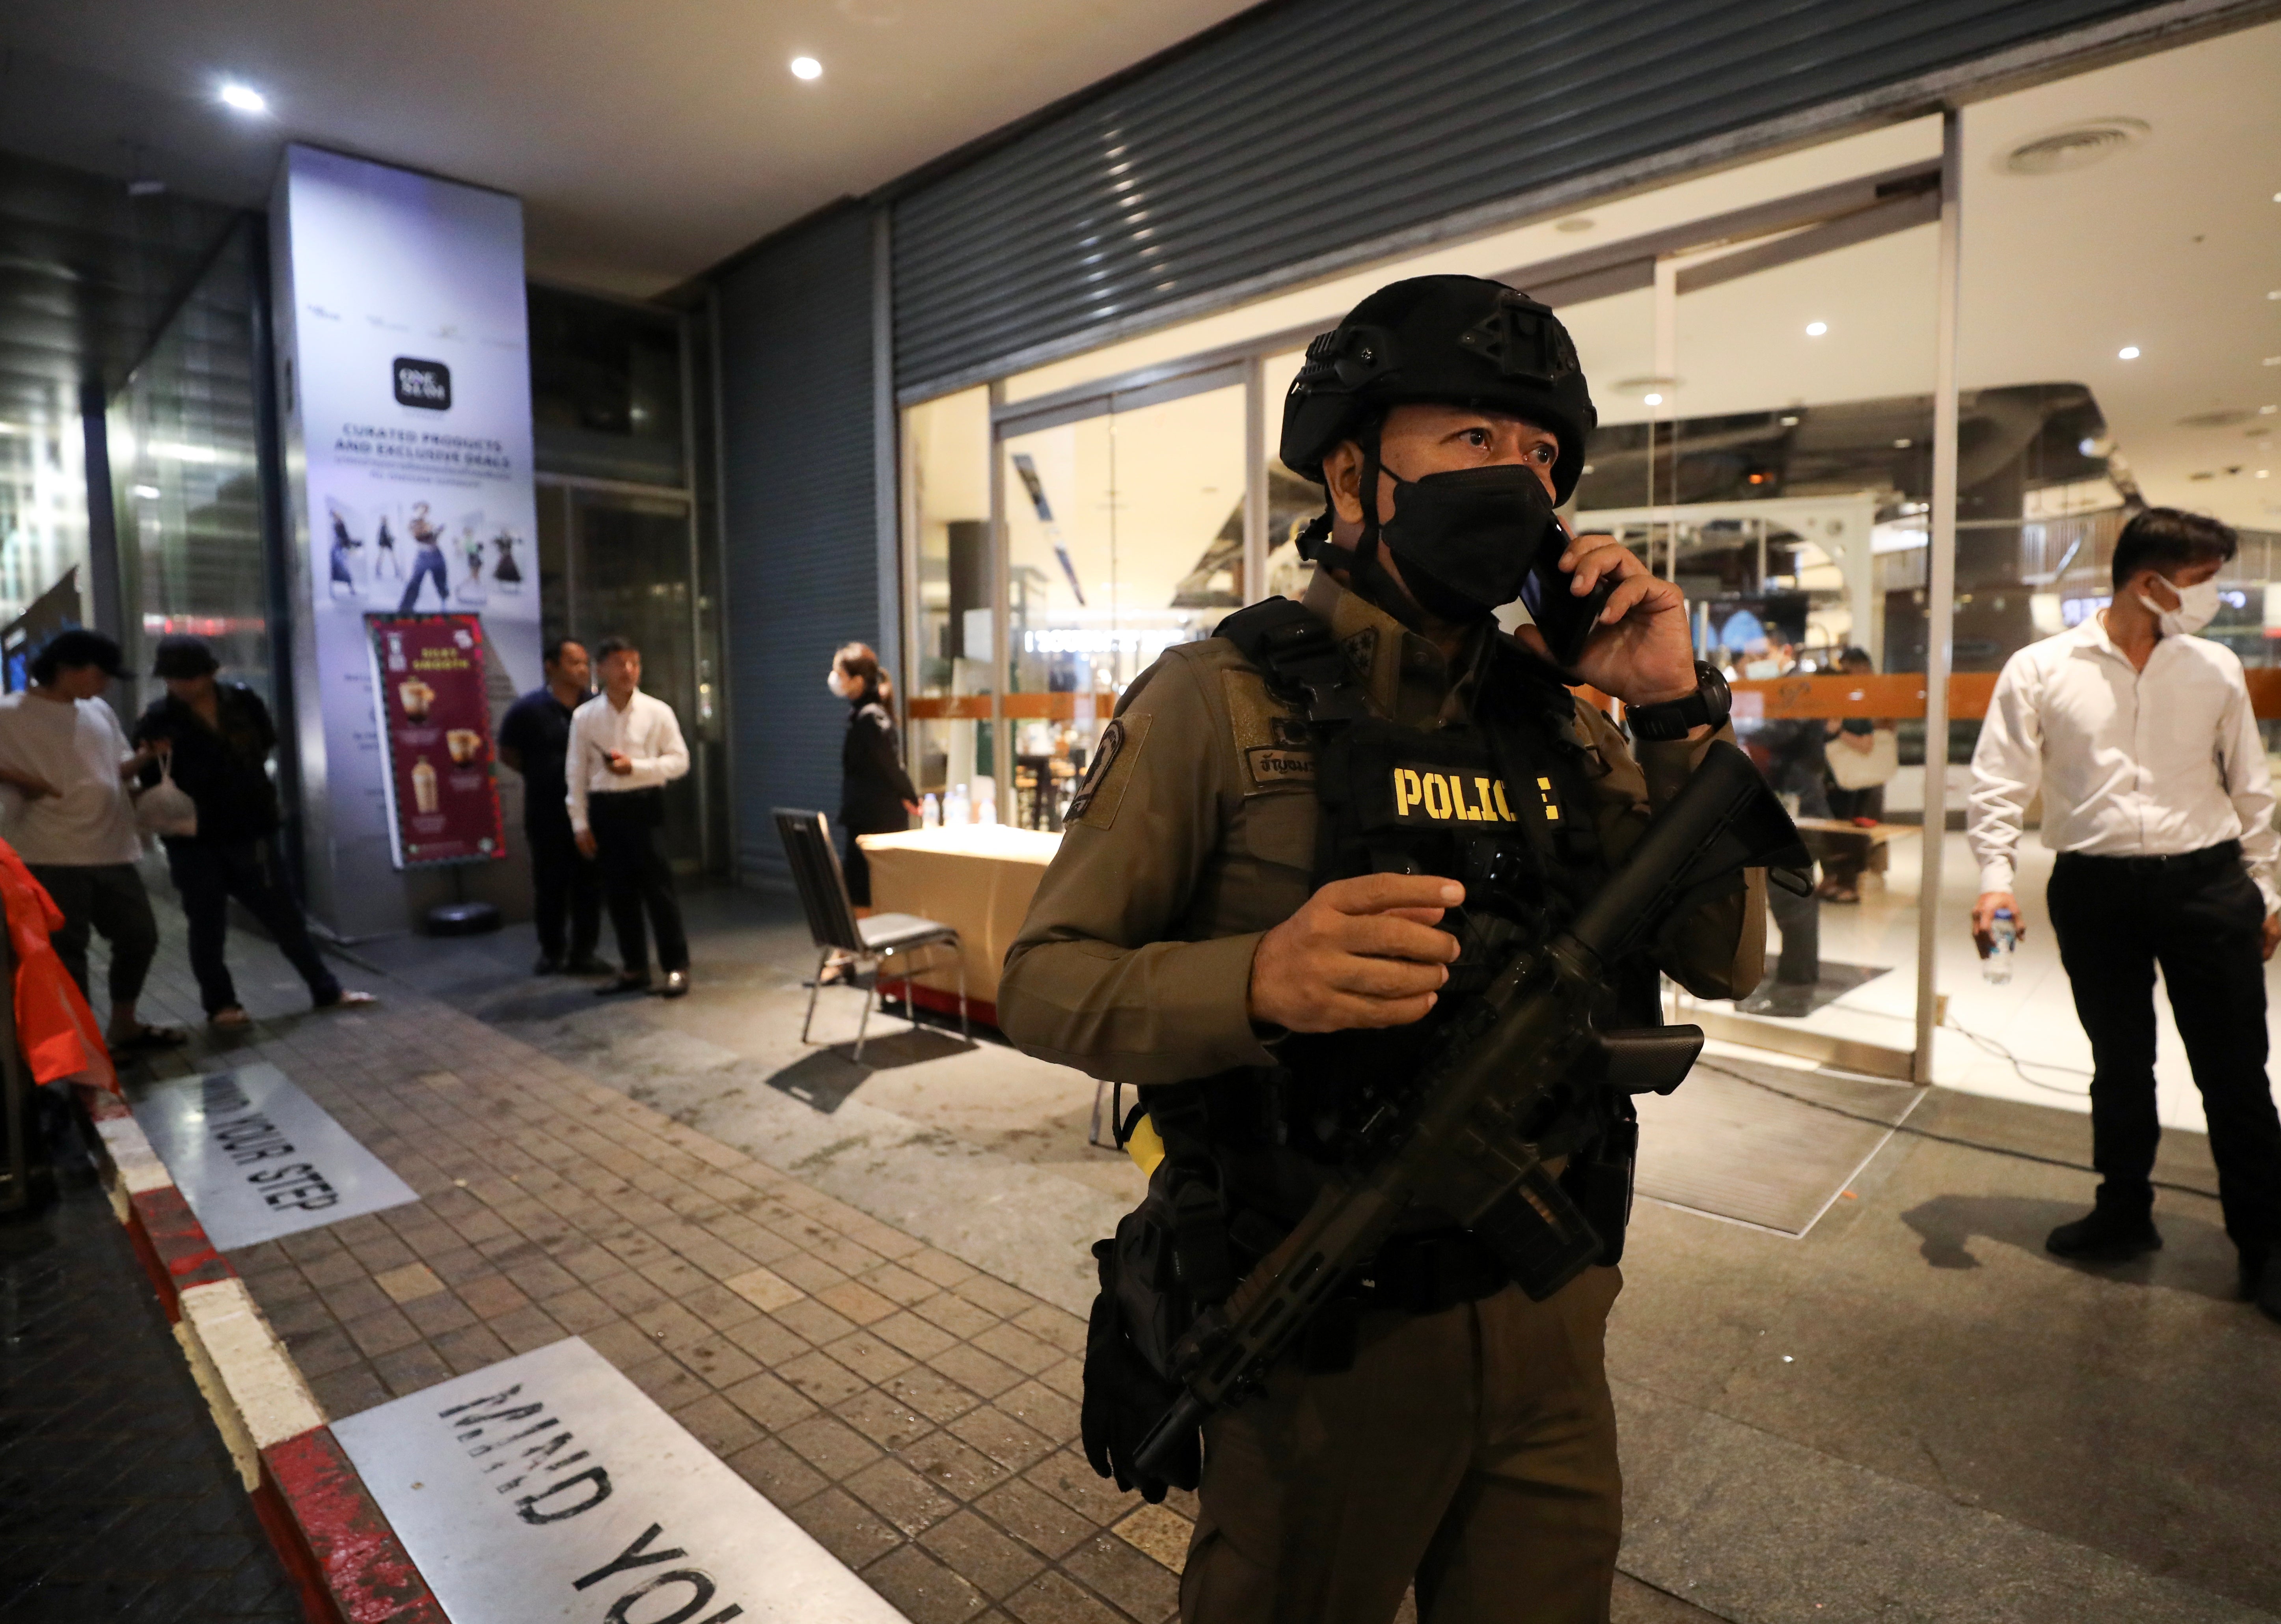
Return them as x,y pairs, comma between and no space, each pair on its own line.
71,818
1292,844
218,737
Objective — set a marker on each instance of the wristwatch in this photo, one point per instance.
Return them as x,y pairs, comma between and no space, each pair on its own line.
1708,705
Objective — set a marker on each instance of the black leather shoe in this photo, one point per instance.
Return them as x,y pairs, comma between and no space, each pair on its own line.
546,965
677,984
623,983
2106,1234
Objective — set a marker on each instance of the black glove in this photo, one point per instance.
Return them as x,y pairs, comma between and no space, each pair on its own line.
1125,1398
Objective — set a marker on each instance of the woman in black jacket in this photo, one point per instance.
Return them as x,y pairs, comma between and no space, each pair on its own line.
876,794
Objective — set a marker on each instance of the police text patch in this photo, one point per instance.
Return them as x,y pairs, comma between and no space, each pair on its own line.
1439,795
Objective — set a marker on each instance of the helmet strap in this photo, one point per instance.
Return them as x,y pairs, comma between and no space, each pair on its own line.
1364,567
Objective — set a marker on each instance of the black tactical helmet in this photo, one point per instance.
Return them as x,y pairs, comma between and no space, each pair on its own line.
1446,340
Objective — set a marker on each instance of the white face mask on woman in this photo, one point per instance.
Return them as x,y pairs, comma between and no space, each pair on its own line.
838,683
2197,607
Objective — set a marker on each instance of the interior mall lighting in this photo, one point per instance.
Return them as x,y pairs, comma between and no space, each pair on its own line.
1654,400
806,67
1814,330
243,98
1790,422
2128,352
149,493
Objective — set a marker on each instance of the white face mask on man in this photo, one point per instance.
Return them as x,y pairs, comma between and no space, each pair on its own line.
2197,607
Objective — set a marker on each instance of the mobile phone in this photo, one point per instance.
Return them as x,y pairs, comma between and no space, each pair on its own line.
1566,620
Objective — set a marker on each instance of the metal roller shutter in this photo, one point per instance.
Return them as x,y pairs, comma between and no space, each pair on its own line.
799,548
1324,124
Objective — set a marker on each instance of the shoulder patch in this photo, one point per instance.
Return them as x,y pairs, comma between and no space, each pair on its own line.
1272,738
1095,803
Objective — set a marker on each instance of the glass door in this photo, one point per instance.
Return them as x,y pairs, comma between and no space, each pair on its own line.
619,562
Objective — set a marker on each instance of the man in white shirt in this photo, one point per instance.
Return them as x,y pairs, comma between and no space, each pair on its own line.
66,762
2157,800
625,748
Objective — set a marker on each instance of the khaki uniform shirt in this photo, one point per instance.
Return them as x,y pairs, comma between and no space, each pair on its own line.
1195,835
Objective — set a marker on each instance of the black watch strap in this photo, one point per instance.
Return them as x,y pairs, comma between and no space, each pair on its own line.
1707,705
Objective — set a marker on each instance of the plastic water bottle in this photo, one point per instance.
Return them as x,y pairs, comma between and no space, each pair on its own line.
930,812
955,807
1997,967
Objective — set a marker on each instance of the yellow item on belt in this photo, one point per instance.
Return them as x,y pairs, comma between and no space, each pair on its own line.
1144,1146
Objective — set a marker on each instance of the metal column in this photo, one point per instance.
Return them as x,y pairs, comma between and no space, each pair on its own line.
1940,593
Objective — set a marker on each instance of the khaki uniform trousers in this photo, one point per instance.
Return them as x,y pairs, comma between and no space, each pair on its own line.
1472,1451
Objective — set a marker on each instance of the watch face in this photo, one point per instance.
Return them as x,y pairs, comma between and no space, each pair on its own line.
1713,683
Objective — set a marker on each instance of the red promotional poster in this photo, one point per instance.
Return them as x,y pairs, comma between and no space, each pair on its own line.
435,715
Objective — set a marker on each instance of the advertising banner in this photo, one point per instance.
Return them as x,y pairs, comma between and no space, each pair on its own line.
404,375
428,683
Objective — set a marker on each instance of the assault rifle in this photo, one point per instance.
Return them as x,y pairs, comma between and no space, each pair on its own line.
1459,1144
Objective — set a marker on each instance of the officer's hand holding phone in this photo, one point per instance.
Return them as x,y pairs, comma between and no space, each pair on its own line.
1361,952
1641,650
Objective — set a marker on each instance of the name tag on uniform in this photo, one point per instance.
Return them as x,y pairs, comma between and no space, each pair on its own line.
1439,795
1273,764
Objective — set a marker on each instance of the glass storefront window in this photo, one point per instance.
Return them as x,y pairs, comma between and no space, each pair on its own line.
1763,346
187,485
1125,535
950,573
2118,345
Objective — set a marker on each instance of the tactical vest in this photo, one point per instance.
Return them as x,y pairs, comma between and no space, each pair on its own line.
1504,806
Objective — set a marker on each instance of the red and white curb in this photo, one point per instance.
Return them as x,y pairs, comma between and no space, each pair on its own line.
329,1531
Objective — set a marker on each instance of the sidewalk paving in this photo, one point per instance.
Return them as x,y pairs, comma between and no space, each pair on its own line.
1968,1427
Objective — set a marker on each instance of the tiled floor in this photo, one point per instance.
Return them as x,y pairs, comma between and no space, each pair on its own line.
917,1417
117,1498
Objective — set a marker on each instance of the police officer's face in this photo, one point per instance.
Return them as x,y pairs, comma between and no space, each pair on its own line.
1419,440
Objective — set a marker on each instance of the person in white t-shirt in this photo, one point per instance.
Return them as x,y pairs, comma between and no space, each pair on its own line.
64,763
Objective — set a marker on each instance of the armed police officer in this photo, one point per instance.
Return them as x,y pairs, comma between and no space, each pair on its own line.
1297,845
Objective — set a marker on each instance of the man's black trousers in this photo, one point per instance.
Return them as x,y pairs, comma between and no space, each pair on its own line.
107,897
2115,919
206,875
635,877
564,881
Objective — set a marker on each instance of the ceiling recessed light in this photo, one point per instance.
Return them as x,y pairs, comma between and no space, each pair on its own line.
1814,330
1790,422
1652,399
2271,360
1903,444
243,98
149,493
806,67
2128,352
2273,293
2076,147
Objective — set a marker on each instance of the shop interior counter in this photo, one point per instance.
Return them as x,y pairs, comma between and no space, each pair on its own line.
977,878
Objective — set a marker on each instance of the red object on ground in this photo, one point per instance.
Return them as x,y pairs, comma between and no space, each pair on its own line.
54,1026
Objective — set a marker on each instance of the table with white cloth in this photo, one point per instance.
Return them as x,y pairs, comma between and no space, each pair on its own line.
976,878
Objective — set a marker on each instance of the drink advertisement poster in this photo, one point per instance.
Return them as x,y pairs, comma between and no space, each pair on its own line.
436,716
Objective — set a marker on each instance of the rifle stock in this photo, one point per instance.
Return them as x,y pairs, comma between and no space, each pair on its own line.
1463,1151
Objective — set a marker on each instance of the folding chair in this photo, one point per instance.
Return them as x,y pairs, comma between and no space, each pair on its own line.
866,943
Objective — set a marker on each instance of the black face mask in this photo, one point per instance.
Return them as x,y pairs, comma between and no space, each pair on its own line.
1466,539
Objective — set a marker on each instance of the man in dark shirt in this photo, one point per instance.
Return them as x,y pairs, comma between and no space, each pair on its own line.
219,736
533,740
